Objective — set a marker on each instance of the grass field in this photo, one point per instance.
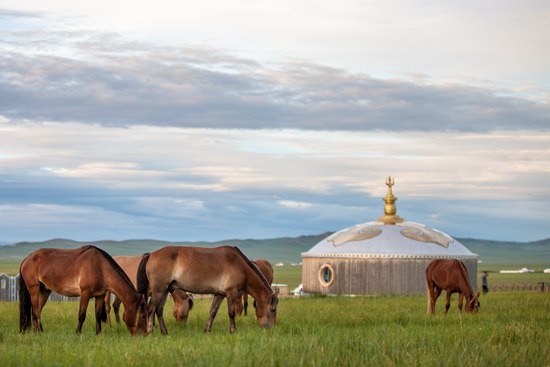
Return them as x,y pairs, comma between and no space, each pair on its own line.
511,329
292,275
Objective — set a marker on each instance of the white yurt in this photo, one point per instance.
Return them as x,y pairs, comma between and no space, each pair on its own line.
385,256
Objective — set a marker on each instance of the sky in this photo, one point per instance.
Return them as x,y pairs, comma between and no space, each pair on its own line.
260,119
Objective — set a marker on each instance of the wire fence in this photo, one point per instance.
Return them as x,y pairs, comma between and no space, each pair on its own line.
9,291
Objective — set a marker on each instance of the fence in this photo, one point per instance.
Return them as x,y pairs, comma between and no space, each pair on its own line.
541,287
9,292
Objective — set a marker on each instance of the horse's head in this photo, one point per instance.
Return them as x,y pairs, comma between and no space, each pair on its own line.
183,303
136,318
472,306
266,312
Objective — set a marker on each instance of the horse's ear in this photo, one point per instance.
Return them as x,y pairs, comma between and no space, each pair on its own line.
273,301
478,294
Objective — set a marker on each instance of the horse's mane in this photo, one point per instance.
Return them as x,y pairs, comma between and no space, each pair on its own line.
465,274
113,263
254,267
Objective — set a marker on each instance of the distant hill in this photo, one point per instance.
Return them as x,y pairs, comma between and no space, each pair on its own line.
509,252
284,249
288,249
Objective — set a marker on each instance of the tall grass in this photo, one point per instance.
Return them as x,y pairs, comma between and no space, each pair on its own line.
511,329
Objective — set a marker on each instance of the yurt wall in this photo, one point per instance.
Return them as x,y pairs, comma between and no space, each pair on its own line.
377,275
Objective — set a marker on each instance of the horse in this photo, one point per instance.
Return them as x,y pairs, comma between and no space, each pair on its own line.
222,271
183,302
86,272
242,301
451,276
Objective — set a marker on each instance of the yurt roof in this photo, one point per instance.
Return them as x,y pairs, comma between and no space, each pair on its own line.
390,236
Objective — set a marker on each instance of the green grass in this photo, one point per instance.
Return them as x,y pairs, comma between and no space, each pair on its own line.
511,329
10,266
290,275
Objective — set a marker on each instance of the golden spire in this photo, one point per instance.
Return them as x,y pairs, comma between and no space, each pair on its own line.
390,216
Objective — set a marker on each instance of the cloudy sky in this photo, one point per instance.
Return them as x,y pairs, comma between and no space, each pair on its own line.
252,119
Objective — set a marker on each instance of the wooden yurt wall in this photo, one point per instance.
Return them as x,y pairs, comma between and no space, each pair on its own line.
372,275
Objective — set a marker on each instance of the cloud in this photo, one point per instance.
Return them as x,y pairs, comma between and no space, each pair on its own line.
201,184
17,14
295,204
101,79
105,137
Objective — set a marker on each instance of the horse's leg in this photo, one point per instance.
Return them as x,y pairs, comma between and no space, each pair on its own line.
35,290
231,298
156,297
44,295
239,305
460,301
213,311
84,299
245,302
160,314
437,293
108,307
99,309
116,309
448,301
431,297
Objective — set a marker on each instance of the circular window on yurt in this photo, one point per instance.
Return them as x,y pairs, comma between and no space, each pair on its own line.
326,275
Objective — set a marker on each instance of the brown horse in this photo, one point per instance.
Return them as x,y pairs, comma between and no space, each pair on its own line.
86,272
183,302
242,301
451,276
222,271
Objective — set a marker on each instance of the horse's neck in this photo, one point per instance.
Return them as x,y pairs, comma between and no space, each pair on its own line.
255,286
466,288
467,292
119,286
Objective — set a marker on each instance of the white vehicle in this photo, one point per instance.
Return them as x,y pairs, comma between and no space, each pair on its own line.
297,291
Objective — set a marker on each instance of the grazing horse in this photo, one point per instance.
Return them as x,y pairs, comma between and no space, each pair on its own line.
222,271
86,272
183,302
451,276
267,270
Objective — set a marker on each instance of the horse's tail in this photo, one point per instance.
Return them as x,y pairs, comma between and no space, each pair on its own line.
142,280
24,305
